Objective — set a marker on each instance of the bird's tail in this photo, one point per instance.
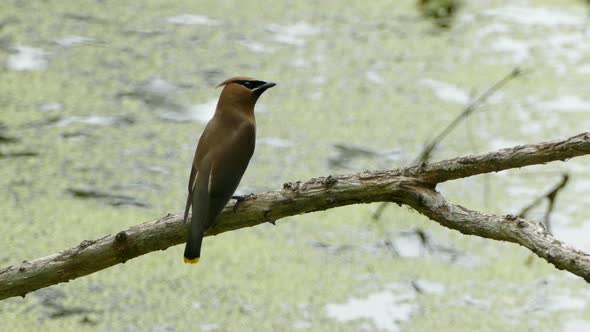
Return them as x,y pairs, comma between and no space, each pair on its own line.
192,250
200,205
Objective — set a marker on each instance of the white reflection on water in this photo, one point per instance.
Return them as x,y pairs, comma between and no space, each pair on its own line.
528,15
199,112
293,34
257,47
576,325
387,308
192,20
73,40
95,120
567,103
446,91
27,58
275,142
574,235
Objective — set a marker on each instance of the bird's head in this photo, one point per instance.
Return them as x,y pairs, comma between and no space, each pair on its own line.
244,90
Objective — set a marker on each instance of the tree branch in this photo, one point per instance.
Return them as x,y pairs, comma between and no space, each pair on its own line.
515,157
503,228
412,186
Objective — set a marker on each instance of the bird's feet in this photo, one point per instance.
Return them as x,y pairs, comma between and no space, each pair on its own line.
239,199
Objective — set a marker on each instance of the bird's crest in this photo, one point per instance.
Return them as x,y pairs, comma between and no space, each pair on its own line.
234,79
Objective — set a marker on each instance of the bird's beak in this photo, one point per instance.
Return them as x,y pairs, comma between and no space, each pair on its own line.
259,90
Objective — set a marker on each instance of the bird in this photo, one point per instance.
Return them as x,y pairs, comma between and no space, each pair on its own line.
221,158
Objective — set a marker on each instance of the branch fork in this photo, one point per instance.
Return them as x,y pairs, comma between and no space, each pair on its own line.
412,186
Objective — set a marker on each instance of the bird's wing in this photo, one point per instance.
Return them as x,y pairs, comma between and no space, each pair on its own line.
200,217
201,151
228,168
191,188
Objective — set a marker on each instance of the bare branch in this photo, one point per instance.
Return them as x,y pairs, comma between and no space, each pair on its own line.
467,110
514,157
551,195
503,228
413,186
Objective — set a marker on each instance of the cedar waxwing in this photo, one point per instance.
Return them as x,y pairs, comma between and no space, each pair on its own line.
222,155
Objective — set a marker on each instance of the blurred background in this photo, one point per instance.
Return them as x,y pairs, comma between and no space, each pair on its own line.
102,103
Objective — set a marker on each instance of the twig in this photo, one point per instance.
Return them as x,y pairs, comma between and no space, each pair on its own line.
551,195
424,155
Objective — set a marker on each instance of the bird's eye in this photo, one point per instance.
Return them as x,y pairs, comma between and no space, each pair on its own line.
247,83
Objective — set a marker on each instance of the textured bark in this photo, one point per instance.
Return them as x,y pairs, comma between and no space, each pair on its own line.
412,186
515,157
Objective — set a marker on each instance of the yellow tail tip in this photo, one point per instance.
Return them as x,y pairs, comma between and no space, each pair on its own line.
191,261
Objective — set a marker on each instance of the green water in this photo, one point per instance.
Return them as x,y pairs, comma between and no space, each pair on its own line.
364,74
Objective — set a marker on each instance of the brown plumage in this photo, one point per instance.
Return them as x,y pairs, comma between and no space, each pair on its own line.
222,155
